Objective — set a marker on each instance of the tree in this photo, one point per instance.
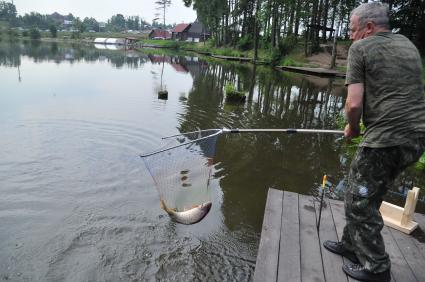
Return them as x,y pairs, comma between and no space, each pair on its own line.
91,24
35,34
7,12
53,31
162,5
117,23
79,25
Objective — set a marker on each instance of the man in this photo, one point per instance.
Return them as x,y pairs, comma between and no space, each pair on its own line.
385,89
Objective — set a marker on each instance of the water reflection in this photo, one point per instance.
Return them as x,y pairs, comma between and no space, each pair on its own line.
250,163
274,100
10,54
70,152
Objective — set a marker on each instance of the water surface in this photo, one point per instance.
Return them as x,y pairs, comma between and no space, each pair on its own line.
77,203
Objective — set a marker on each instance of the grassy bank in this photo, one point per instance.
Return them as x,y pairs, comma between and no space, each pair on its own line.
294,58
14,34
293,51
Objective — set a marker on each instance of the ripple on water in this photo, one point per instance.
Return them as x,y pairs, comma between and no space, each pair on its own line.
88,210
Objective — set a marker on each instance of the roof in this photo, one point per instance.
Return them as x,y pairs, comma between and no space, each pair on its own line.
198,27
179,68
181,27
160,33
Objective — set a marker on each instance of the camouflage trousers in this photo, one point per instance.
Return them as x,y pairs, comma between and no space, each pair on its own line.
372,173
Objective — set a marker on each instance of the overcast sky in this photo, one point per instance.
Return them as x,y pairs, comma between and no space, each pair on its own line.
102,10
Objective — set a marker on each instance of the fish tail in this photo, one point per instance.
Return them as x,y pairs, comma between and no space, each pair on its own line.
164,206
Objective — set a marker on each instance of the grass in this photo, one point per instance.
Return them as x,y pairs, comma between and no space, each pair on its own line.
233,95
354,143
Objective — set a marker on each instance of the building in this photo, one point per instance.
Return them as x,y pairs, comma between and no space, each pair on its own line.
197,32
159,34
179,32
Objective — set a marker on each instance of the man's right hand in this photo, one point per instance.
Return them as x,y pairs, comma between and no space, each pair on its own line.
351,132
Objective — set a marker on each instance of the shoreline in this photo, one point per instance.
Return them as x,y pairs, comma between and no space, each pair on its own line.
292,62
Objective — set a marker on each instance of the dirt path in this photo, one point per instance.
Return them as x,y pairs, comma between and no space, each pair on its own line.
323,59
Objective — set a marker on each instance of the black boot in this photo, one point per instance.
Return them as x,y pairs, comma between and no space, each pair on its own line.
357,271
337,248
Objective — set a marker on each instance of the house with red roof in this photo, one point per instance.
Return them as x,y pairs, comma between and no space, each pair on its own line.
159,34
179,32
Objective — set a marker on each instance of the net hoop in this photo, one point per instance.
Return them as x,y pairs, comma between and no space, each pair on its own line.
217,132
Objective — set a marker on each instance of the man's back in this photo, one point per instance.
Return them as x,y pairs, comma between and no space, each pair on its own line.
390,67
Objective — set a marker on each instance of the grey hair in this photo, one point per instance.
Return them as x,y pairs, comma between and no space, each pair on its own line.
376,12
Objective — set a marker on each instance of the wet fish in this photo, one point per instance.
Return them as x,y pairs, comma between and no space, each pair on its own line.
190,216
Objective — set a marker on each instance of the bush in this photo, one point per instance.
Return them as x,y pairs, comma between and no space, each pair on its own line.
53,31
12,33
232,95
25,33
227,52
287,44
289,62
173,45
245,43
75,35
276,56
35,34
420,164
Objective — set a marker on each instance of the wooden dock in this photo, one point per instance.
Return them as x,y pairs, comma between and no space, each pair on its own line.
229,58
291,248
313,71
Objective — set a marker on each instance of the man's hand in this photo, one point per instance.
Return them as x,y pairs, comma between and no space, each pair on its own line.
353,110
350,132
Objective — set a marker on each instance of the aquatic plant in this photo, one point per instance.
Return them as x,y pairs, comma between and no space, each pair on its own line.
420,165
233,95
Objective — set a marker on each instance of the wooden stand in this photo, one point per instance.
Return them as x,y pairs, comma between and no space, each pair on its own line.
401,218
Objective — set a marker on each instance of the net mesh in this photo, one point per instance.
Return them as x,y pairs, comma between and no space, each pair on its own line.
181,170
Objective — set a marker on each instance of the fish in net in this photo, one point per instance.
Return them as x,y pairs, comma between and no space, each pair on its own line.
181,171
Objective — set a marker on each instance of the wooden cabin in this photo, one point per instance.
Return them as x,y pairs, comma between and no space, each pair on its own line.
180,32
198,32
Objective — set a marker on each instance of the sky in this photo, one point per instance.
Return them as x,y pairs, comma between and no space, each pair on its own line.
102,10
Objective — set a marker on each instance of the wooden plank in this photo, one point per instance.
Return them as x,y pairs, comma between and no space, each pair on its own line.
411,253
232,58
268,251
289,254
338,214
400,270
419,235
312,71
332,263
311,259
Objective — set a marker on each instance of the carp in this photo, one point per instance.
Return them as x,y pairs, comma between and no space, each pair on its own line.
189,216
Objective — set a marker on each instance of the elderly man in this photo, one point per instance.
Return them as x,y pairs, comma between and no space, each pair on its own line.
385,89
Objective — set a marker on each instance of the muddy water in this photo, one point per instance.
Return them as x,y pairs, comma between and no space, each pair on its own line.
77,203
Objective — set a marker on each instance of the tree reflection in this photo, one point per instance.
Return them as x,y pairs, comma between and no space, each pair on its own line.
11,53
248,164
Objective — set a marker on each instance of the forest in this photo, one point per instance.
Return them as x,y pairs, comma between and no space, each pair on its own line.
245,23
115,23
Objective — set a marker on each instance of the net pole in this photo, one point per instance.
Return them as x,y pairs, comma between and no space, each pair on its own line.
282,130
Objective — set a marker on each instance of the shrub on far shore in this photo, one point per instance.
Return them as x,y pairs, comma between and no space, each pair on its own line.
35,34
53,31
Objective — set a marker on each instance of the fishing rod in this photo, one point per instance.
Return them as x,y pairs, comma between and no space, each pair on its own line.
217,131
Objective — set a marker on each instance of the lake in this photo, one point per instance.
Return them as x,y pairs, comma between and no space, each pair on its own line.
77,202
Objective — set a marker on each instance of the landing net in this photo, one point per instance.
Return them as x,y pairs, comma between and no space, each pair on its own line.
181,169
